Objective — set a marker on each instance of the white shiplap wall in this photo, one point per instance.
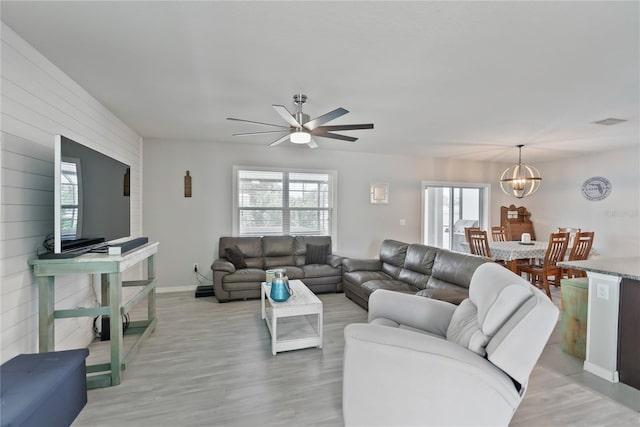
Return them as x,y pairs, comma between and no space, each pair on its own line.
37,102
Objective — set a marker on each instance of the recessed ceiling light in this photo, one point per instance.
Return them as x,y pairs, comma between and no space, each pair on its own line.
609,122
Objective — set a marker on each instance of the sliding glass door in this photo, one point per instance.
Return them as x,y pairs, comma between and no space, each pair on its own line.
450,207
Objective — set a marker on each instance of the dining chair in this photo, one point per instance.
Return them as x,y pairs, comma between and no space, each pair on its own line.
572,234
479,243
498,234
467,230
582,243
539,274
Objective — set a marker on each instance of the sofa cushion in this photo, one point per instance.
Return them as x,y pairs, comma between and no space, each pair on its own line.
316,254
300,246
320,270
420,258
391,285
235,255
292,272
454,267
251,247
362,276
245,275
465,330
498,293
276,246
392,255
278,261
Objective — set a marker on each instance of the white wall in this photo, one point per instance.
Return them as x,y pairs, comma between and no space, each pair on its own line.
188,229
37,102
615,220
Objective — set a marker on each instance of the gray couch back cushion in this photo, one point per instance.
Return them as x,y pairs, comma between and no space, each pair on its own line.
392,255
277,250
300,246
418,264
453,267
251,248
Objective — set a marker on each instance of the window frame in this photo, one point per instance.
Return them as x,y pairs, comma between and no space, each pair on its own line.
332,197
485,201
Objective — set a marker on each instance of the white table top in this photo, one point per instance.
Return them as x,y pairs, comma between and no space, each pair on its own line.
302,295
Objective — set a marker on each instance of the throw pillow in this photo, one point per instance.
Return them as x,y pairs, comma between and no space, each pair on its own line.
236,257
316,254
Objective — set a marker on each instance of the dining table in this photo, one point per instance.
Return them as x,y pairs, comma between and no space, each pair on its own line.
512,250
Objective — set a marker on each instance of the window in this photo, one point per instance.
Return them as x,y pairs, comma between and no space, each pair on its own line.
70,198
450,207
271,202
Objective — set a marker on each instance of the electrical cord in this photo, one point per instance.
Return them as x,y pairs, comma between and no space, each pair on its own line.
201,277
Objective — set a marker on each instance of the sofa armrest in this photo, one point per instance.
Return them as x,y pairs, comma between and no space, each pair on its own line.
350,264
334,260
418,312
420,380
223,265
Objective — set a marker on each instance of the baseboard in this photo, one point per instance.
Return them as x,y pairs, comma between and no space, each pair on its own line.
601,372
171,289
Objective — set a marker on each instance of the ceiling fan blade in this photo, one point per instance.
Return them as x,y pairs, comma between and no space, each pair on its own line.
258,123
312,144
259,133
286,115
320,120
283,139
321,129
337,136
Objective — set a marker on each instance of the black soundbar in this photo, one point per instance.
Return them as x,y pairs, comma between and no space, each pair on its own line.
131,244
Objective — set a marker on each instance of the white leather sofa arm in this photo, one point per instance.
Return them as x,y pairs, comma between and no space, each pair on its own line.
417,312
396,377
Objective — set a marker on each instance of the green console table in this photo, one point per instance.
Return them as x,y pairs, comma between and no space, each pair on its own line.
110,267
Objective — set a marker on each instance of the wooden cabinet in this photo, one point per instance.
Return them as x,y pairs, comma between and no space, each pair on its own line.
516,220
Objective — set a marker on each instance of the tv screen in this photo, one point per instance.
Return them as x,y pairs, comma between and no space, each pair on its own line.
91,197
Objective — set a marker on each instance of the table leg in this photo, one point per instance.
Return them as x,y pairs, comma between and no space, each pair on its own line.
320,327
46,319
115,326
262,302
513,265
151,297
274,331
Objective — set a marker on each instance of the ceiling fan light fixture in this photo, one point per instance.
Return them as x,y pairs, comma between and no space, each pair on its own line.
300,137
520,180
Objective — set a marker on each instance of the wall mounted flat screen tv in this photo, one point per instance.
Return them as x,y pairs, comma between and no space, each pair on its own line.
92,197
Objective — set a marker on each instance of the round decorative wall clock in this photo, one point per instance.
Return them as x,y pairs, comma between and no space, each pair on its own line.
596,188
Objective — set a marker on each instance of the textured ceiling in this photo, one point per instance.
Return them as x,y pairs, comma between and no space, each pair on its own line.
447,79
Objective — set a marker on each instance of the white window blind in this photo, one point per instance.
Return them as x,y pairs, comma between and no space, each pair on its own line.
283,202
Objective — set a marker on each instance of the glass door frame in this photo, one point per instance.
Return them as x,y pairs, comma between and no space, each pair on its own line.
485,201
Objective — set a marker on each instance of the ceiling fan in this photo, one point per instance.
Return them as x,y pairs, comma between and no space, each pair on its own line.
301,128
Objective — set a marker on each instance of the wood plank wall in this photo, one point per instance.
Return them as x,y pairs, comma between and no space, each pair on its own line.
37,102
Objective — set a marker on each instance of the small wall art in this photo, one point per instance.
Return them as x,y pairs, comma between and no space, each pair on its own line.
379,193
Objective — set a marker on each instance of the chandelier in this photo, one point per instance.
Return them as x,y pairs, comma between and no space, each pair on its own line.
520,180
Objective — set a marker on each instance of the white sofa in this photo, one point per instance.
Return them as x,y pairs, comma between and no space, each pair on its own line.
421,361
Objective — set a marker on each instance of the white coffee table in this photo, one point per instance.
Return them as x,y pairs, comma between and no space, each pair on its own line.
295,323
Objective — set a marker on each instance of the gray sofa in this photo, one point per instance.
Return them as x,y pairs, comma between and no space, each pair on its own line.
272,252
411,268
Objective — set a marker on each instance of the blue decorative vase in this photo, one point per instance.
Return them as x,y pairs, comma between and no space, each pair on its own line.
280,290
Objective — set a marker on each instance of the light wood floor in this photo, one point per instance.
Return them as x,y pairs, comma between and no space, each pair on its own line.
210,364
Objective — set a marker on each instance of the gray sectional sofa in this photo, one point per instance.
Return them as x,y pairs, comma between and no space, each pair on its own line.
411,268
272,252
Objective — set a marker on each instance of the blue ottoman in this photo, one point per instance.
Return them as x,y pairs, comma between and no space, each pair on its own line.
43,389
